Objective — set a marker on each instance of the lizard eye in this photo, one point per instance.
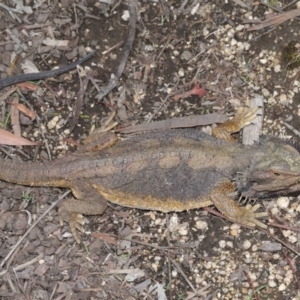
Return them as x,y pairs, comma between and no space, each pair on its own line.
276,174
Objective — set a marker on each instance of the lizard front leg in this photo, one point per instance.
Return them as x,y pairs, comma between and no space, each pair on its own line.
88,202
245,215
243,117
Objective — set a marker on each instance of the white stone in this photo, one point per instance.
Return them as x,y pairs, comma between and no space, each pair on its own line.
240,27
277,68
174,273
247,46
272,283
246,244
183,231
265,92
283,202
181,72
230,33
205,31
263,61
202,225
222,244
283,99
240,46
233,42
52,123
125,15
292,239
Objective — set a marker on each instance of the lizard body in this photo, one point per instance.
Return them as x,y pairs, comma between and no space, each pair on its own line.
170,170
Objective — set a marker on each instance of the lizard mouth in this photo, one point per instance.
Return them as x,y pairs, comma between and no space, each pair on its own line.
265,184
278,187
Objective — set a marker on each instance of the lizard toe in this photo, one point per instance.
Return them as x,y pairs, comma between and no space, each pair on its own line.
250,218
75,225
75,220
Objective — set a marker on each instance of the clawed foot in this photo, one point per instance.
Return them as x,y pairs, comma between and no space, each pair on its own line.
243,117
248,216
75,221
245,215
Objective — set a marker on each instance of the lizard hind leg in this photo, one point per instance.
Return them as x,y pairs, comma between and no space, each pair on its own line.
88,202
243,117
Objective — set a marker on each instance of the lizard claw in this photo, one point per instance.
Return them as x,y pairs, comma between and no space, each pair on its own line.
243,117
75,221
249,217
245,215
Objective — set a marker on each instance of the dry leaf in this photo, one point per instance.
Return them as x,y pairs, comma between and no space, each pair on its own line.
29,67
28,86
104,237
7,138
14,118
25,110
56,43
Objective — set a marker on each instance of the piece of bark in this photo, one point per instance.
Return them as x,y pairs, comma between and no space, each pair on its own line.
252,132
182,122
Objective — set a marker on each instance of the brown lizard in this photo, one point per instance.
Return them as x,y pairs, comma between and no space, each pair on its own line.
171,170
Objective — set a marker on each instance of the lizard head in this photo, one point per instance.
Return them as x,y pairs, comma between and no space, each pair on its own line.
274,170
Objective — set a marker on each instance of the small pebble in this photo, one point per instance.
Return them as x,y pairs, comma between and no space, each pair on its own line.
283,99
277,68
202,225
240,27
263,61
272,283
246,244
52,123
283,202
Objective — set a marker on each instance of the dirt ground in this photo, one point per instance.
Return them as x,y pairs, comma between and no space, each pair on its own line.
215,47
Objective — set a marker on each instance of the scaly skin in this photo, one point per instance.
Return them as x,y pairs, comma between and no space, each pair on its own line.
171,170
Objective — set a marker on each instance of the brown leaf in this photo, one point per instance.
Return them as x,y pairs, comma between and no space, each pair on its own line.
28,86
7,138
104,237
25,110
14,118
